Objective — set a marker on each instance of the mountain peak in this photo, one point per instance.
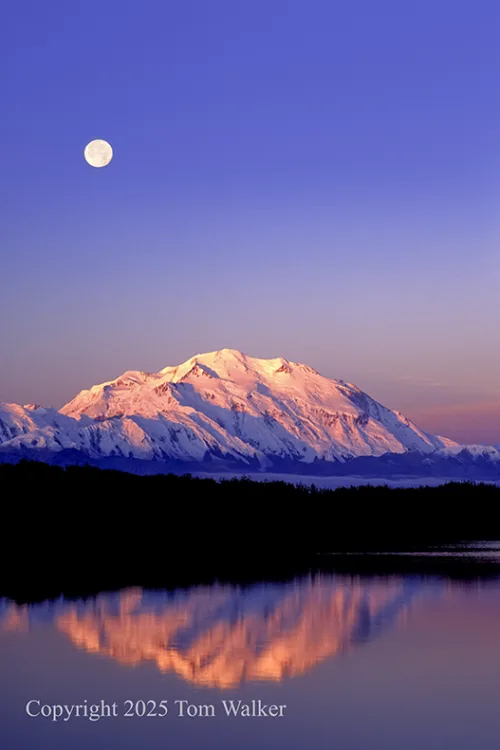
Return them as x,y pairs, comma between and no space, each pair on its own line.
225,407
227,363
245,408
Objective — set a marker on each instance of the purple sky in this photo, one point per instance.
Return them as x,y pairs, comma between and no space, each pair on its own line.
313,180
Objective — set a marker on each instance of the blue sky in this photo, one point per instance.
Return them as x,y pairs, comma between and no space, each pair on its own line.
317,180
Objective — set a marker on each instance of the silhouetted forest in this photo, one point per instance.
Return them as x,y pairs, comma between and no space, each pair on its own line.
82,525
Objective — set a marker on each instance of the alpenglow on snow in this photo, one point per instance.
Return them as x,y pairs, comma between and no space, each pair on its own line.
223,407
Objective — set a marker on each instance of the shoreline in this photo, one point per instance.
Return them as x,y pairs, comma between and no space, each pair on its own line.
201,572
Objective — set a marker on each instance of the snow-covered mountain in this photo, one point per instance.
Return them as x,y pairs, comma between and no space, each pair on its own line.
223,406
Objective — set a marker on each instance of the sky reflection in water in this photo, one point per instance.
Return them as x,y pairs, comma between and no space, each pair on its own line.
366,663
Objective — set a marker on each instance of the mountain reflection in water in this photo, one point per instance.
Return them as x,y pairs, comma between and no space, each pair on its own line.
222,636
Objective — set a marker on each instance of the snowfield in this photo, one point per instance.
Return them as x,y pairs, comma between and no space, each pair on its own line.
224,406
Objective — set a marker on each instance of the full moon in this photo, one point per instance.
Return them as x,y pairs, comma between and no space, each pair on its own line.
98,153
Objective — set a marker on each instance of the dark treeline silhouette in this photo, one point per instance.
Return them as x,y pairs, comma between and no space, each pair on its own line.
74,527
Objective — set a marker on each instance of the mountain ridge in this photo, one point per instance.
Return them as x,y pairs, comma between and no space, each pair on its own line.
224,406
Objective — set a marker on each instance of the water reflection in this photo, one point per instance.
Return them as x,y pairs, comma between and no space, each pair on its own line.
223,636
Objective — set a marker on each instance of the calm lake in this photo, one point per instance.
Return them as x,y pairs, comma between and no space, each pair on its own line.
350,663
